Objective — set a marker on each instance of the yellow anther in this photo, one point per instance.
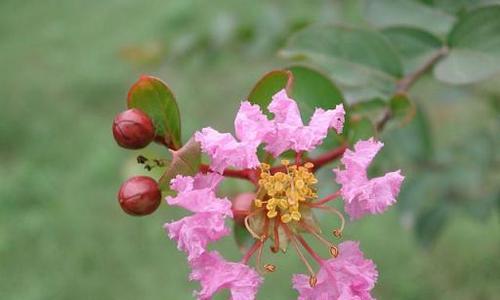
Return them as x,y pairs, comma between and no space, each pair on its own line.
334,251
313,281
299,184
286,218
271,214
283,204
265,166
278,187
284,191
270,268
309,165
296,215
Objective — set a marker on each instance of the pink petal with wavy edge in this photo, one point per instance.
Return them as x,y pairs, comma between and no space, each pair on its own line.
349,276
362,195
214,274
194,233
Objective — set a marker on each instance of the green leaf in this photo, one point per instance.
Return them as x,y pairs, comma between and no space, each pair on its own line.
312,89
402,109
243,238
385,13
361,61
371,109
268,85
153,96
415,46
475,47
360,129
185,161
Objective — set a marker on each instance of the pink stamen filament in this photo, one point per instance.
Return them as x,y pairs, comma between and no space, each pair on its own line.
326,199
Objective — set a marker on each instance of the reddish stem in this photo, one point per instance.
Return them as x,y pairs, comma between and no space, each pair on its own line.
328,157
326,199
276,247
242,174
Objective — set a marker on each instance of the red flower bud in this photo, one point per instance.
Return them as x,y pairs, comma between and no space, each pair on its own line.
139,196
133,129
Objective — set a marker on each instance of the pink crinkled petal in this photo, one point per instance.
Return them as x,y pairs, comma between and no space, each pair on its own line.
251,124
375,196
362,195
224,150
349,276
291,133
214,274
203,200
285,110
193,233
200,181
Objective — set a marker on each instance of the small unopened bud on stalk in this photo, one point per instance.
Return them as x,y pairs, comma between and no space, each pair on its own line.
139,196
133,129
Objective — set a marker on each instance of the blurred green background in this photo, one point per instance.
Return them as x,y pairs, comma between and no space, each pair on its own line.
66,69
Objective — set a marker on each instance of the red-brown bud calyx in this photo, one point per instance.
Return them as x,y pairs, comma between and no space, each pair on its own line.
133,129
139,196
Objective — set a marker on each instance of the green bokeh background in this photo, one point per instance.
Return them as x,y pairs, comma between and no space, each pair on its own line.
66,67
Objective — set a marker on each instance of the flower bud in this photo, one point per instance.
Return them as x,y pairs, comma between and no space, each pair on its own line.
242,203
133,129
139,196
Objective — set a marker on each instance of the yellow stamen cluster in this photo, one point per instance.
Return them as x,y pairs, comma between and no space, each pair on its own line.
283,192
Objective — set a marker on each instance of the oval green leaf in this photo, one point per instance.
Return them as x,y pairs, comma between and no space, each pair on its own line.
475,47
153,96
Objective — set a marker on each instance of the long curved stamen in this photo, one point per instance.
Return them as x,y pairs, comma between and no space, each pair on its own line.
247,224
326,199
299,252
308,248
261,246
250,252
332,248
337,232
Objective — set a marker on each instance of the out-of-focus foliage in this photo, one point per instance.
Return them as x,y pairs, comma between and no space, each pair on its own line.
68,64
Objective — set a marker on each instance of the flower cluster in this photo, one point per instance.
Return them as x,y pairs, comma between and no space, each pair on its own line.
282,207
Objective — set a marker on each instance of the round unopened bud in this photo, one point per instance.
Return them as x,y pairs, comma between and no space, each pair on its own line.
133,129
139,196
241,206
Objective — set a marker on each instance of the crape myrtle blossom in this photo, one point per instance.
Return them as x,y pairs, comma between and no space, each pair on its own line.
281,210
286,131
362,195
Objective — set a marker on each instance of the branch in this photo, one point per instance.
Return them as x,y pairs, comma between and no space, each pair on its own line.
242,174
403,86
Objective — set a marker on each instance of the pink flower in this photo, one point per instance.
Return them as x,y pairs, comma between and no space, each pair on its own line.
193,233
348,276
291,133
362,195
224,150
286,131
215,274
